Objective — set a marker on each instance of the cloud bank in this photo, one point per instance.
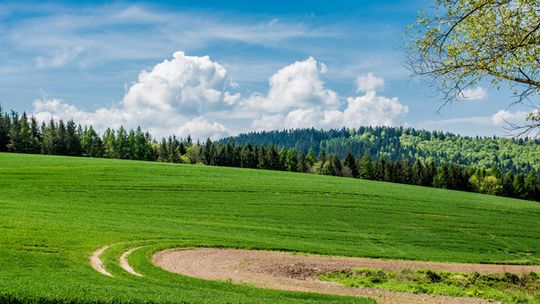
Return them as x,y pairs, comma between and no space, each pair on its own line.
193,95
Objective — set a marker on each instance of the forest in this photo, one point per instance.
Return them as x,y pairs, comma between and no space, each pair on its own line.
496,166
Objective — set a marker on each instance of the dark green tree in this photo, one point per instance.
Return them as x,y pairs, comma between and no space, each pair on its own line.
531,186
272,158
350,164
73,140
291,161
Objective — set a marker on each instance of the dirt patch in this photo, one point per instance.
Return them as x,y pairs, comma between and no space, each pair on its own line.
124,262
97,263
283,271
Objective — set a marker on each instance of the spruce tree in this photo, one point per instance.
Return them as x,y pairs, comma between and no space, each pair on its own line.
366,167
73,140
15,138
303,163
272,158
60,139
109,143
519,186
350,163
36,136
310,157
531,186
291,161
508,184
4,130
418,173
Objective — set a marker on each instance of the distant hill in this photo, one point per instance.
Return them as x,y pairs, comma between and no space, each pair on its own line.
397,143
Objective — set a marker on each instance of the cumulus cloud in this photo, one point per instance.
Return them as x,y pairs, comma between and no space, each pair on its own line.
169,99
185,84
369,82
297,98
189,95
297,85
476,93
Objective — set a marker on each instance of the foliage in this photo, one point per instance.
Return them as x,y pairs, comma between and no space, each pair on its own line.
397,143
463,42
506,287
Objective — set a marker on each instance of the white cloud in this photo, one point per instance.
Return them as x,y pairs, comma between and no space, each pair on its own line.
372,109
185,84
297,85
169,99
504,117
59,58
495,124
369,82
476,93
297,99
188,95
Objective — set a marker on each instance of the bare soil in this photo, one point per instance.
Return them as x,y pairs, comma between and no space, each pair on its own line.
285,271
124,262
97,263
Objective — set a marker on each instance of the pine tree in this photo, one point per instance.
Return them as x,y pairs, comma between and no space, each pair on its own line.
282,158
442,179
15,138
60,139
303,163
291,161
366,167
508,184
91,144
73,141
121,145
406,174
163,154
310,158
26,135
36,136
322,156
48,141
4,130
261,155
519,186
418,173
109,143
531,186
132,144
350,164
272,158
208,152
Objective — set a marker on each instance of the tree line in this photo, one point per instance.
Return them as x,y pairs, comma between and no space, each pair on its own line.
23,134
396,143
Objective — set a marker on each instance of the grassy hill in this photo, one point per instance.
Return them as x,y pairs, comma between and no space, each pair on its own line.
55,211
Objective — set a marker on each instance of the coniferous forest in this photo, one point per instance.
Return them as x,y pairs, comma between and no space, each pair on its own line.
497,166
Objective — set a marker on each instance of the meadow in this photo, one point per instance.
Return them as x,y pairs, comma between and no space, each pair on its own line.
55,211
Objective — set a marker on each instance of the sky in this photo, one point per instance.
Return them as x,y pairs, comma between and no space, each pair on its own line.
219,68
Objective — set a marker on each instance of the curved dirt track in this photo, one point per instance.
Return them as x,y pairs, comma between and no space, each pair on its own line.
123,262
283,271
97,263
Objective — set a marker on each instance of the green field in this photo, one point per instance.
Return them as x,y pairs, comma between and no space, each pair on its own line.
55,211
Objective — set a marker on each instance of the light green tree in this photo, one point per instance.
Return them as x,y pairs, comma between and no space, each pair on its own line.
464,42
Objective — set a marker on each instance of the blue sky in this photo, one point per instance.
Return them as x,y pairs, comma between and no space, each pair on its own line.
278,64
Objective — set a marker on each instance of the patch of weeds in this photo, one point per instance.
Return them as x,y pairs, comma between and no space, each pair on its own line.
505,287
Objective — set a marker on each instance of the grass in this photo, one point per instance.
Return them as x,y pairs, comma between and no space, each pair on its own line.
55,211
507,287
